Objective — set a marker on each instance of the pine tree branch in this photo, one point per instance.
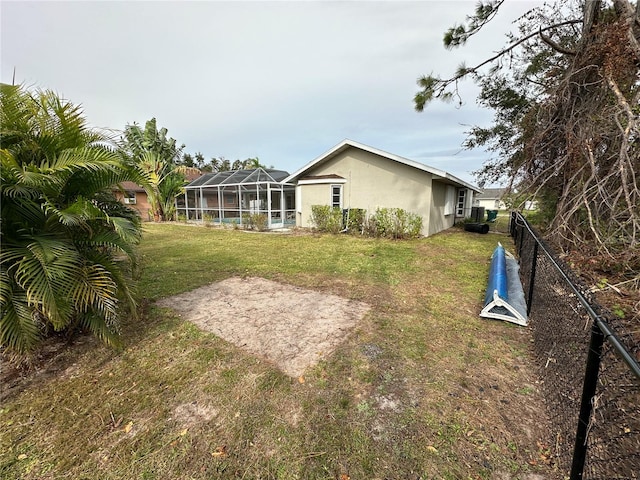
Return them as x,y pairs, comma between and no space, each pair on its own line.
554,45
433,87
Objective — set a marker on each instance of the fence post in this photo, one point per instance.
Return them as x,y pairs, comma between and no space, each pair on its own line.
521,239
512,222
532,277
586,405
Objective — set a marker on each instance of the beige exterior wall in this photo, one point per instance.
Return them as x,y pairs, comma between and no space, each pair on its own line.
371,182
316,194
491,204
440,221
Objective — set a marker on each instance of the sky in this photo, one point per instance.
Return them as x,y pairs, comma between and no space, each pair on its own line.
281,81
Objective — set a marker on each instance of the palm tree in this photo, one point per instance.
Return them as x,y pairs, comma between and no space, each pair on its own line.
253,163
225,165
68,246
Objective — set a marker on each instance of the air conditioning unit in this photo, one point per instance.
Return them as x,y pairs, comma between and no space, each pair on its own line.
130,201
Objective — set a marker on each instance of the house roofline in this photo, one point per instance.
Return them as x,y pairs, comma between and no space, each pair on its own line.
346,143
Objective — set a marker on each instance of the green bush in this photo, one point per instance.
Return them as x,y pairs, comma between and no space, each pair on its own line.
207,219
255,221
393,223
386,222
326,219
356,219
260,221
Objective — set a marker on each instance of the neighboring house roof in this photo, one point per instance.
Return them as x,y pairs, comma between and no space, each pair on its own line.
131,187
491,194
192,174
235,177
346,144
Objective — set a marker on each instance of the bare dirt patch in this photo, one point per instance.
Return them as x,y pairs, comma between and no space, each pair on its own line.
190,414
289,326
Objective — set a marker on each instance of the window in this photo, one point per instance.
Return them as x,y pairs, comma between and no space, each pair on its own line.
336,196
229,199
462,195
130,198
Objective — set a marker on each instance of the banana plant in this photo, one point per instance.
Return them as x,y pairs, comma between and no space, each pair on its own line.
155,157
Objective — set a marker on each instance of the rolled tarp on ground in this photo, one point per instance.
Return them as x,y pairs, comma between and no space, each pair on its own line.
497,276
504,299
476,227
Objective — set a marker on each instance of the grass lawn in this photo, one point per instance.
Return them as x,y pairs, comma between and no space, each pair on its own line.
421,388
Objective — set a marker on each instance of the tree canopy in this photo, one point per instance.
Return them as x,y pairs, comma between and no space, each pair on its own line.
566,96
220,164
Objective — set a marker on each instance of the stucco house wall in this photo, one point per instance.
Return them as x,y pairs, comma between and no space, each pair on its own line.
371,179
314,194
369,182
439,220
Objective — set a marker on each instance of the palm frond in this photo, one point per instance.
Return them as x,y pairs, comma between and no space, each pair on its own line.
18,330
95,290
103,330
63,232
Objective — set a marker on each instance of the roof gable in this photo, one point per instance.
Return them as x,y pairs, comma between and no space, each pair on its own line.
129,186
491,193
347,144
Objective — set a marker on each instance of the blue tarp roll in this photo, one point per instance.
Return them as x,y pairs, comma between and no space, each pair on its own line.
504,283
497,276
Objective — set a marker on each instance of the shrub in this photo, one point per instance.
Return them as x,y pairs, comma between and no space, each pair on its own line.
255,221
386,222
260,221
326,219
355,220
207,219
393,223
246,221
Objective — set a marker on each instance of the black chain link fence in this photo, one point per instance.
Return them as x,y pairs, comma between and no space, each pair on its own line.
590,372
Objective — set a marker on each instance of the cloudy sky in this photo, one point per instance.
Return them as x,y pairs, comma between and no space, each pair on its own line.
284,81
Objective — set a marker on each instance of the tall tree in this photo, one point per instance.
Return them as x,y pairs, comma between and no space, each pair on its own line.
157,158
68,246
253,163
199,160
566,95
187,160
224,165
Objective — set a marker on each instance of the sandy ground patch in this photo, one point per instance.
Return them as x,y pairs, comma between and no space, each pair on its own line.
290,326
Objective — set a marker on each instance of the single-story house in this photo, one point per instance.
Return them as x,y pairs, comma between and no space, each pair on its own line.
491,199
353,175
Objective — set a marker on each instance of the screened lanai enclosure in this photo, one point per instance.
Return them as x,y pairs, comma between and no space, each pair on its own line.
233,197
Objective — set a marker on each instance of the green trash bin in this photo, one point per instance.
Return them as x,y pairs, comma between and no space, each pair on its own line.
492,215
